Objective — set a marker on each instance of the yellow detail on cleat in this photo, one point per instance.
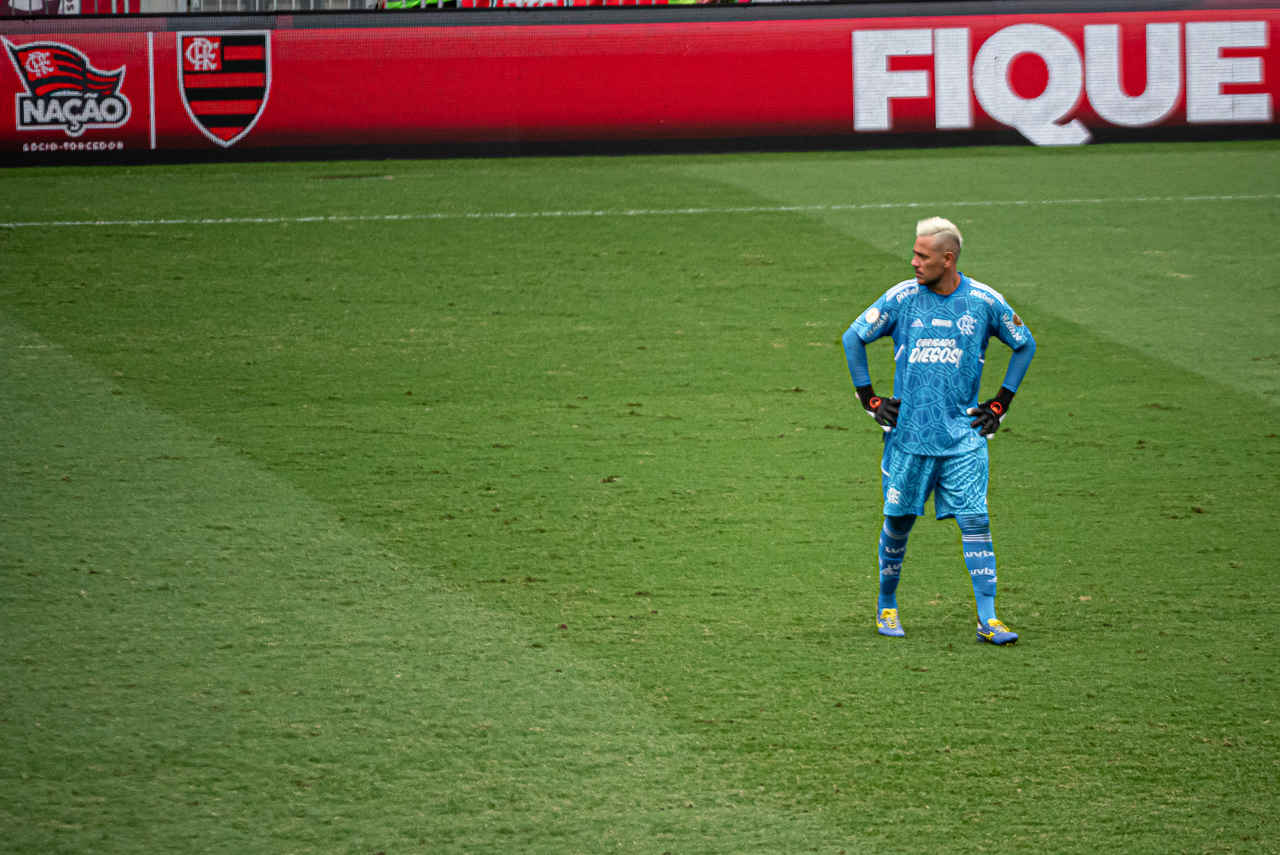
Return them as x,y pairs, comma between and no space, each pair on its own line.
994,627
887,623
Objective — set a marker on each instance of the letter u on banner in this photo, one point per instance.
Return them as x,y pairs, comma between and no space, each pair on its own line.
1103,57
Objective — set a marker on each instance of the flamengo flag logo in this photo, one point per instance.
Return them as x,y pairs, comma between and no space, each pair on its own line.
64,92
224,79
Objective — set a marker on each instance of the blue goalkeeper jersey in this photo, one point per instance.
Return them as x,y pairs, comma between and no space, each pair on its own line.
939,347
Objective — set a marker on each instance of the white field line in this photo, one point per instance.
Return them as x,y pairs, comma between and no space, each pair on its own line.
627,212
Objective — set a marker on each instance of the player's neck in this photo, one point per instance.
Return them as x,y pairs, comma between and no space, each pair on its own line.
946,285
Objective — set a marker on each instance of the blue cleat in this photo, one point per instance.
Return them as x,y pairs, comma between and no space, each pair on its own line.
887,624
995,632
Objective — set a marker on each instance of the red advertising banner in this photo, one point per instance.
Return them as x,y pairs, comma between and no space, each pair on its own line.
1053,78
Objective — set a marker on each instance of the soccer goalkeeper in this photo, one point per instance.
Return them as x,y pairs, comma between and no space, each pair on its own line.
935,431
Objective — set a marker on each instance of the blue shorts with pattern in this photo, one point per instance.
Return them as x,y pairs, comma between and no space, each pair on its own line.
958,484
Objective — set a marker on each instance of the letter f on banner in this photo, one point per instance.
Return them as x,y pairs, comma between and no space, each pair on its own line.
874,85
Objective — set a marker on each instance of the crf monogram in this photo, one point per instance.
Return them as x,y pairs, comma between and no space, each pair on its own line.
38,64
202,55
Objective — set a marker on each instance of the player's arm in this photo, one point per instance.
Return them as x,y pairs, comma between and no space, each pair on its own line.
988,415
883,410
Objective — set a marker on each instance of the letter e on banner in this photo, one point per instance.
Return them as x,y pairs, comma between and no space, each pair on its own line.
1208,70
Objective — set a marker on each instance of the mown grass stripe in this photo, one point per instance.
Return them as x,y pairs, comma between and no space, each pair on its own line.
262,651
634,212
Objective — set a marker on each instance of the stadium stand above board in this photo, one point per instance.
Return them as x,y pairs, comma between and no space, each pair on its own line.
149,83
871,8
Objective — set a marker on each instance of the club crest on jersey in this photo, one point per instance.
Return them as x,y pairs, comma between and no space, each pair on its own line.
64,91
224,79
967,324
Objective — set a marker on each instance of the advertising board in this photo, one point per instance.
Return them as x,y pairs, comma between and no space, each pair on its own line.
1055,79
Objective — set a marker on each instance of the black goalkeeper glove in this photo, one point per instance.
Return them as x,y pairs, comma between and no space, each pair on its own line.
988,415
883,410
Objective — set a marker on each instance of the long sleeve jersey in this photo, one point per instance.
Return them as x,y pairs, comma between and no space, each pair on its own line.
940,346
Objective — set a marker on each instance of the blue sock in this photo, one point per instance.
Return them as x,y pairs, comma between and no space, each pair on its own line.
893,546
980,558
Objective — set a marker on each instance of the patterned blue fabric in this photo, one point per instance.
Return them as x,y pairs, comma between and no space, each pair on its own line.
940,346
957,482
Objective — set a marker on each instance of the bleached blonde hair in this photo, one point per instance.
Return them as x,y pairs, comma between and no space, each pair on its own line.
942,231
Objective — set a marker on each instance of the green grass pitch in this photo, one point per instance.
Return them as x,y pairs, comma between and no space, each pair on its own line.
524,506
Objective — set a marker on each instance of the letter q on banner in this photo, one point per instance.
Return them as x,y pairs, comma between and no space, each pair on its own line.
1036,118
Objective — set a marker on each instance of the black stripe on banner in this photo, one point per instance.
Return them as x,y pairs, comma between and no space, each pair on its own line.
61,81
227,93
243,65
223,120
244,41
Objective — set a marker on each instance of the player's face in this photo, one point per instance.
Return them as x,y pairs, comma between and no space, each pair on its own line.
929,263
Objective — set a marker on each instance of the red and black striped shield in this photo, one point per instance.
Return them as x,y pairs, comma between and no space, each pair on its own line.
224,79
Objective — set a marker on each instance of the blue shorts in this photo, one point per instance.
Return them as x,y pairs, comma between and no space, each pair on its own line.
958,484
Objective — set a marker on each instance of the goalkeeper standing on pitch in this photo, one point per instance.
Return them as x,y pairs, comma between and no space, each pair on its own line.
936,432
